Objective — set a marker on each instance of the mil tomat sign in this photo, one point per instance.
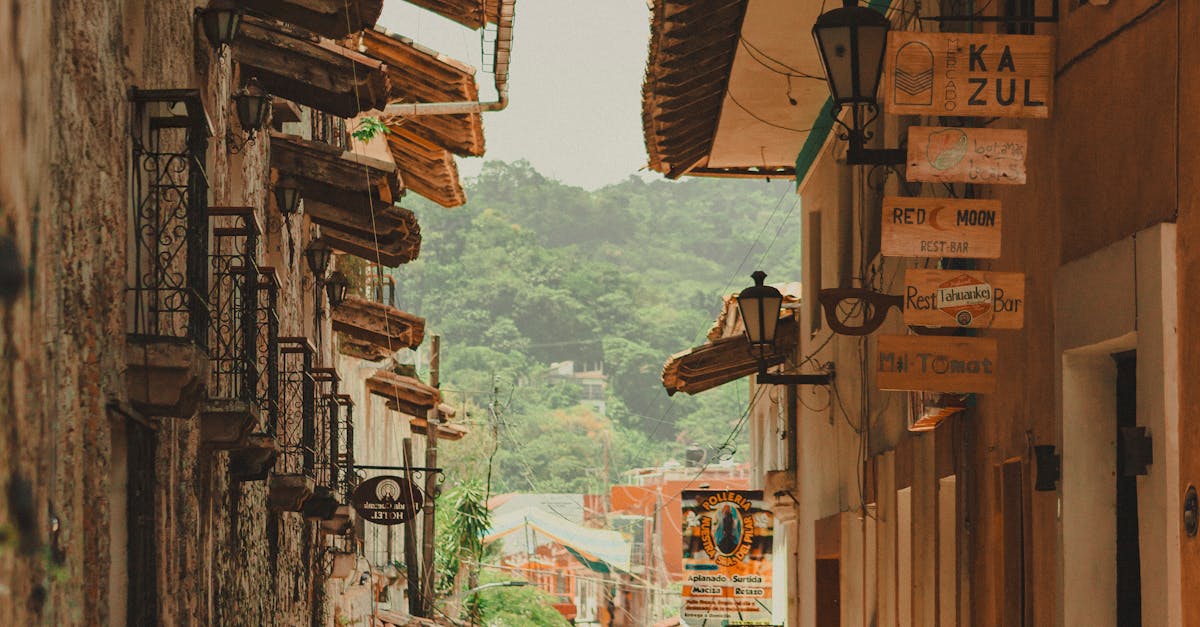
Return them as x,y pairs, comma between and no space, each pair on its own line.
964,298
936,363
961,74
387,500
940,227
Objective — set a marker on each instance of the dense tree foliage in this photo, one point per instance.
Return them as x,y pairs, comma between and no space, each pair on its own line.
532,272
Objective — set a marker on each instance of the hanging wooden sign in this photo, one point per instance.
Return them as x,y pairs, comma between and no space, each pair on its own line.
967,155
961,74
964,298
936,363
387,500
940,227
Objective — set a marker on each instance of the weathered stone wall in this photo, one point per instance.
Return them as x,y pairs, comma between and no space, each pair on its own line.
67,66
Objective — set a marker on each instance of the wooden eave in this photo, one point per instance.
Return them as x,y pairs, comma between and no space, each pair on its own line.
718,362
419,74
445,430
391,236
404,394
384,326
428,169
692,48
295,64
328,175
331,18
472,13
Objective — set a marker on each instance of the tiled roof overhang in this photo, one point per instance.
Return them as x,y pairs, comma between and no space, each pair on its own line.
429,170
404,394
331,18
384,326
472,13
692,49
328,175
308,69
720,361
419,74
391,236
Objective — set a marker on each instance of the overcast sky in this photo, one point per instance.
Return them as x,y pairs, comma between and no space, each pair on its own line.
574,88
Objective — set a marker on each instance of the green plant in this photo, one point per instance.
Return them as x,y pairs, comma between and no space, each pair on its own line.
368,128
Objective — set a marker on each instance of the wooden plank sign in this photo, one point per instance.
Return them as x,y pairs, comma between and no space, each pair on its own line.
964,298
966,155
961,74
940,227
936,363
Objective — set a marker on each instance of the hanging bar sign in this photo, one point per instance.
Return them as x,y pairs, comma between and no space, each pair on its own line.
936,363
964,298
967,155
387,500
961,74
940,227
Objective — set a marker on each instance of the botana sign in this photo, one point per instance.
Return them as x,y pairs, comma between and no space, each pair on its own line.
989,156
940,227
936,363
961,74
387,500
964,298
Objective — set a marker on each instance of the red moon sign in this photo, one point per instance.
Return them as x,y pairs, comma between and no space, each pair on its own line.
387,500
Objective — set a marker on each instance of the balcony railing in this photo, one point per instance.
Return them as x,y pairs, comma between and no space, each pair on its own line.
296,433
267,356
167,276
233,298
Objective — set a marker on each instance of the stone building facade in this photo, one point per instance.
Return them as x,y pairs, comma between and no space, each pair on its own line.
139,431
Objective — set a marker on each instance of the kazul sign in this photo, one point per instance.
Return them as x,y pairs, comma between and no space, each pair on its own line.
940,227
961,74
387,500
936,363
964,298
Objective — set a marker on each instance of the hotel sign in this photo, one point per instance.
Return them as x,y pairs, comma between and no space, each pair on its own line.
387,500
964,298
961,74
940,227
936,363
989,156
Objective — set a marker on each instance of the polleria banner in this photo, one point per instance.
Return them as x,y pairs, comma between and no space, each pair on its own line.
727,538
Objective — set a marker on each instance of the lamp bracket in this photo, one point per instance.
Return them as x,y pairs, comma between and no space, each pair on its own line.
770,378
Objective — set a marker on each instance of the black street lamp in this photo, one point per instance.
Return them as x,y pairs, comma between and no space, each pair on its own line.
759,307
220,22
852,41
253,107
318,255
336,288
287,195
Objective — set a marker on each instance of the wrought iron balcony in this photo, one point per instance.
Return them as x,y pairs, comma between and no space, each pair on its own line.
253,461
292,481
167,252
327,495
231,410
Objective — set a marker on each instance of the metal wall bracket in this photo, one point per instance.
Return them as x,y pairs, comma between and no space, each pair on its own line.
1135,451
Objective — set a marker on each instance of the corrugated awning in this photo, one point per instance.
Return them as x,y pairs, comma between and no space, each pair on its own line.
293,63
386,328
595,548
692,48
419,74
331,18
326,174
404,394
720,361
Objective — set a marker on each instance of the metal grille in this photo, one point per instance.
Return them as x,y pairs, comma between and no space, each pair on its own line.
233,297
167,277
344,460
326,427
330,129
295,435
